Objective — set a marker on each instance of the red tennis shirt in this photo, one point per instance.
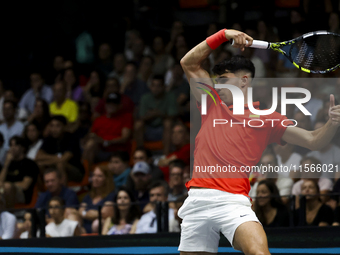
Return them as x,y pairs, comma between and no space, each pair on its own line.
232,146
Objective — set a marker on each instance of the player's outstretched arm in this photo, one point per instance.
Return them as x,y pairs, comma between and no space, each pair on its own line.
192,61
317,139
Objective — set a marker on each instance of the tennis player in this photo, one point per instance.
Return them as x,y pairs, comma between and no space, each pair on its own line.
221,205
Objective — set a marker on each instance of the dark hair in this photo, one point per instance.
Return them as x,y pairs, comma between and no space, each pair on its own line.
134,210
160,183
13,103
53,170
59,200
63,72
37,126
122,155
275,200
147,152
158,77
21,142
60,118
234,64
45,107
132,63
176,163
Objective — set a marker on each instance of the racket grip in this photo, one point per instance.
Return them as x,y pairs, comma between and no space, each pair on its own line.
258,44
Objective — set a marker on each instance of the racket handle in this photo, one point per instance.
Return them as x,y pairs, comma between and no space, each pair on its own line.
258,44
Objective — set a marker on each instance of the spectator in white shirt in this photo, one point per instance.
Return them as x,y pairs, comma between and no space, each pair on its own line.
287,158
148,222
61,227
8,222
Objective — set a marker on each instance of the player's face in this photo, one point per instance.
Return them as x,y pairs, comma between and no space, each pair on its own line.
262,194
225,94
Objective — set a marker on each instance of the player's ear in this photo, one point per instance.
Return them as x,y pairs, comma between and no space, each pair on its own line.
245,80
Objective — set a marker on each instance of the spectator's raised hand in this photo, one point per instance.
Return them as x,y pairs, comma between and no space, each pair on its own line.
334,112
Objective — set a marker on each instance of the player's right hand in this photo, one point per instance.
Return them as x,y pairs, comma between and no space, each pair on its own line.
239,38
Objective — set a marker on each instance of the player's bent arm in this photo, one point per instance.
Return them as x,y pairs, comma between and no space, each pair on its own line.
313,140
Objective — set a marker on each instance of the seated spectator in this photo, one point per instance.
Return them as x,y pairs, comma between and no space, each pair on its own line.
141,176
41,115
62,105
102,190
38,90
119,62
55,188
110,132
148,222
112,85
125,216
33,135
19,174
24,228
283,184
60,227
11,127
268,205
119,167
287,157
74,91
84,123
325,185
62,150
177,186
180,139
2,99
317,213
104,62
94,88
156,113
133,87
145,69
8,222
163,61
75,216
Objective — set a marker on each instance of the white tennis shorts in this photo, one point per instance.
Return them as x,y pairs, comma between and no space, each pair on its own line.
206,213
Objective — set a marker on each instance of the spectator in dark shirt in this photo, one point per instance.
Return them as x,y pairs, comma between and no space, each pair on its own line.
269,207
119,167
40,115
19,174
102,190
156,113
317,213
62,150
54,187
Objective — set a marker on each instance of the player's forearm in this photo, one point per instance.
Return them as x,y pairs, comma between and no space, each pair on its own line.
194,58
323,136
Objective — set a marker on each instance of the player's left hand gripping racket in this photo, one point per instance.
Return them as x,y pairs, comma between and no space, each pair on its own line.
314,52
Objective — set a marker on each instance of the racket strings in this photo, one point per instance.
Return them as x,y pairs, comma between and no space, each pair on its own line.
318,52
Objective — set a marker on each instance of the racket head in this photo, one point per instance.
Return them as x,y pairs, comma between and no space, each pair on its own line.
314,52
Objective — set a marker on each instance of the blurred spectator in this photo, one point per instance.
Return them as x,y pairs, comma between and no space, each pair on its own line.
119,62
112,85
75,216
333,23
119,167
104,63
2,99
131,86
268,205
138,48
177,83
38,90
145,69
110,132
283,184
141,176
176,30
84,123
62,105
102,190
84,48
180,139
40,115
156,113
145,155
329,155
54,74
94,88
148,222
126,215
25,228
19,174
73,89
309,164
163,61
317,214
11,126
131,47
8,222
3,150
287,157
55,188
33,135
61,149
176,183
60,227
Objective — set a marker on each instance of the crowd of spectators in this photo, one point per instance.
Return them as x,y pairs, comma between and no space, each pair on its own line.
119,138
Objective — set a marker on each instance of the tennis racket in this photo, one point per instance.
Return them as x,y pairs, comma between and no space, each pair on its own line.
314,52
